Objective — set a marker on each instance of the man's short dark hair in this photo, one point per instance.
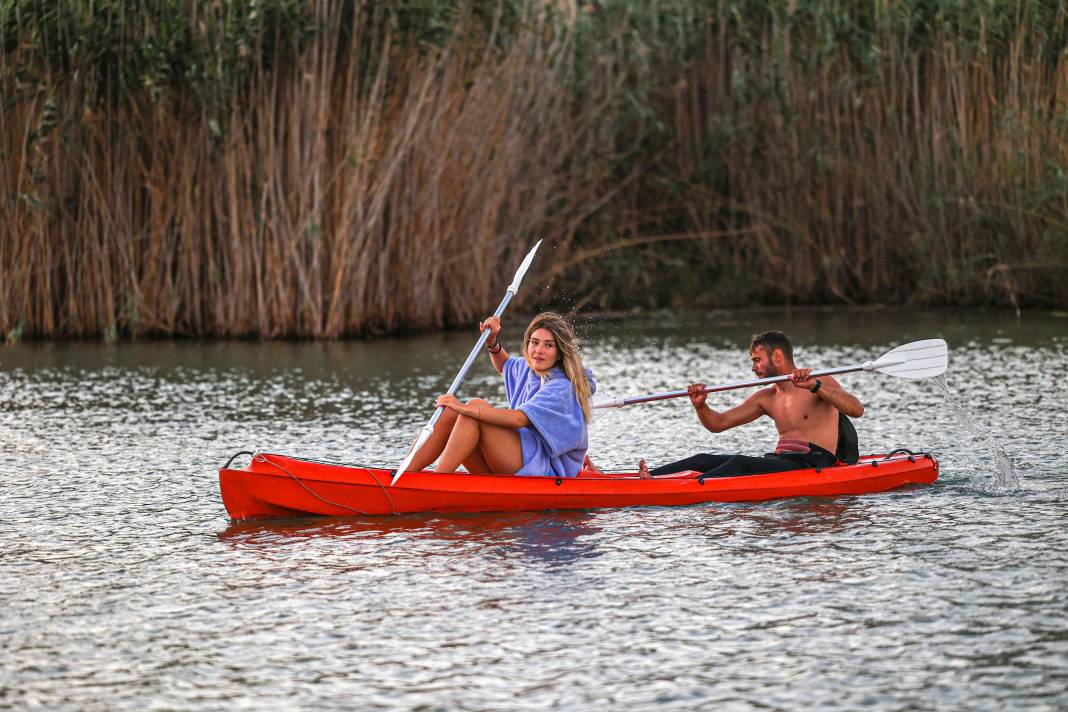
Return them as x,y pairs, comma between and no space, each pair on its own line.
771,340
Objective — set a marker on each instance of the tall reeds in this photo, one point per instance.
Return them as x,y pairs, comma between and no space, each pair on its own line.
892,152
350,180
325,168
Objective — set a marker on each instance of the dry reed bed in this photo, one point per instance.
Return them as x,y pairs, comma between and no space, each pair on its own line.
926,170
367,182
330,200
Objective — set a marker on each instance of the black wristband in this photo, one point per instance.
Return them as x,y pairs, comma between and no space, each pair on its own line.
817,386
496,348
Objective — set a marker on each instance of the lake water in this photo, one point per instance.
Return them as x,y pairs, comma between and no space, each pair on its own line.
125,585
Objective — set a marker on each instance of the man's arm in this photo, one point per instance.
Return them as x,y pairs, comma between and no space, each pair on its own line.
829,390
747,412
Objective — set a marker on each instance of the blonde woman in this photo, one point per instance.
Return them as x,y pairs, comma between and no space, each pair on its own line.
543,429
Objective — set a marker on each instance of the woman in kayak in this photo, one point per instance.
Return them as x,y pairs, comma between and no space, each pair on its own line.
543,429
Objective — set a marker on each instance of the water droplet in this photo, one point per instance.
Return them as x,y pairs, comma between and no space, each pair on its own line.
1005,479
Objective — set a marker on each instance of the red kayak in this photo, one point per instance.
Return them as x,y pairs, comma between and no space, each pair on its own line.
280,486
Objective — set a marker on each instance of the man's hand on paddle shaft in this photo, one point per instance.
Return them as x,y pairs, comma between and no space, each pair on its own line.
717,422
830,391
802,379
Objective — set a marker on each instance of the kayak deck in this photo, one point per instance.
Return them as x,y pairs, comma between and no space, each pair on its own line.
279,486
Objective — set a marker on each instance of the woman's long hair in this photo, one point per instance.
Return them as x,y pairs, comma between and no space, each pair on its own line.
570,361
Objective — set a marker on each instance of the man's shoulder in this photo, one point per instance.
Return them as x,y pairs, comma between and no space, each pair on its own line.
765,393
763,397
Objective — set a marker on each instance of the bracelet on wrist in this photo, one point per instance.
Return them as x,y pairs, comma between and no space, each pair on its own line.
817,386
496,348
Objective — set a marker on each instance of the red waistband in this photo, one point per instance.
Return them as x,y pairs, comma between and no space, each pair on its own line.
793,445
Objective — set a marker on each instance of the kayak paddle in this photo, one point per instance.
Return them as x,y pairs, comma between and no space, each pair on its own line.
919,359
424,434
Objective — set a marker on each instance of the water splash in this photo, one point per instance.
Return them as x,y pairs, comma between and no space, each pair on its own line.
1005,479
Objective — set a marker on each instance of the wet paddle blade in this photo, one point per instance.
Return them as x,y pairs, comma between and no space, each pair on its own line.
424,435
920,359
523,267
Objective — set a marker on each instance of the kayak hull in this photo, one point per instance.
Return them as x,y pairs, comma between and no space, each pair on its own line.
280,486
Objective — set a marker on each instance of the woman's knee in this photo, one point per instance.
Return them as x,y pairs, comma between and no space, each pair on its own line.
478,403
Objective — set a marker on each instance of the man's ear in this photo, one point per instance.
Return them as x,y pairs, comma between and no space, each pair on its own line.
778,357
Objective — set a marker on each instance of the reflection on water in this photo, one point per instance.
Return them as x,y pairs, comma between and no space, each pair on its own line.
802,516
125,585
554,537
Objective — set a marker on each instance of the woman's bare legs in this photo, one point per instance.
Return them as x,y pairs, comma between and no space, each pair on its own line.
499,447
435,443
476,464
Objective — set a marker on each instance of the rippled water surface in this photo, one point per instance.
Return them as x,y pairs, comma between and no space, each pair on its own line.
125,585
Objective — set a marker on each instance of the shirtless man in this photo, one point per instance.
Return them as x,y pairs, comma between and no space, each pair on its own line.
805,410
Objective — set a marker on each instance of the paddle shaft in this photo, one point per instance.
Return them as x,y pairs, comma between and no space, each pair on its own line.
926,358
424,434
726,387
428,429
470,358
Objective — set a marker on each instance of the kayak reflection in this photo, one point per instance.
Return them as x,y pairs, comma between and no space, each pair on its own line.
557,538
801,516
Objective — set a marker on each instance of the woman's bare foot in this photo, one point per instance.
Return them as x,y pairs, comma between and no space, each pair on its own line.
587,464
643,470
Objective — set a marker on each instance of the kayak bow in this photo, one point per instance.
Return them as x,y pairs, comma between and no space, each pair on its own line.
280,486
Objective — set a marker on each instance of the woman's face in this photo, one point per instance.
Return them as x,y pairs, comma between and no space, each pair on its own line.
541,350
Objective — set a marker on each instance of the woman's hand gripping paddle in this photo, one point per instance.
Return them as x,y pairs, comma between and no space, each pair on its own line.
919,359
424,434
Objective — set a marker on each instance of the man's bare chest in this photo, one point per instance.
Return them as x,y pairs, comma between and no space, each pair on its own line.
798,408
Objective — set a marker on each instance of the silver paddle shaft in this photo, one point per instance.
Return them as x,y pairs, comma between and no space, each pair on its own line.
665,395
470,358
428,429
926,358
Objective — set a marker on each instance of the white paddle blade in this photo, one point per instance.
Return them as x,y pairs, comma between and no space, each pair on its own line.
523,267
920,359
424,435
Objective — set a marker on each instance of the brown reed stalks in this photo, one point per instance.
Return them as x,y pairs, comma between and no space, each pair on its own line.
326,200
926,170
373,174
